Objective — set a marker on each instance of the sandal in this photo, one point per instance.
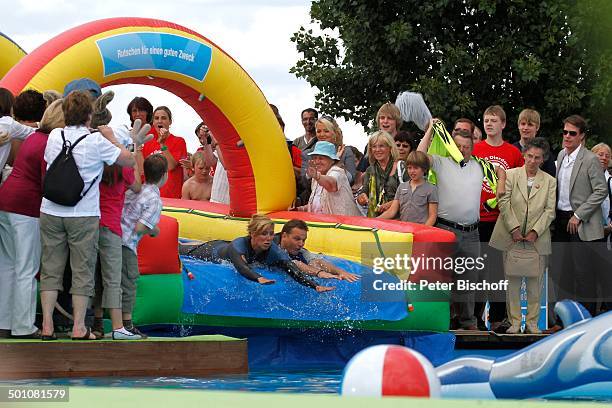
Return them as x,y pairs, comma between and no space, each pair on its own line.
86,336
51,337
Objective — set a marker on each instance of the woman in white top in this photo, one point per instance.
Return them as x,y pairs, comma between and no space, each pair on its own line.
73,231
331,191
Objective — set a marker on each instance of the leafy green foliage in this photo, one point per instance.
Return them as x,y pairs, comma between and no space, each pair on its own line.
463,56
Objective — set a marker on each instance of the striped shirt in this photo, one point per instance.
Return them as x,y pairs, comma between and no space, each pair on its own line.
144,207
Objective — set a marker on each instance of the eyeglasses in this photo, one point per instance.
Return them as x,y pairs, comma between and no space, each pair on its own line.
569,132
405,145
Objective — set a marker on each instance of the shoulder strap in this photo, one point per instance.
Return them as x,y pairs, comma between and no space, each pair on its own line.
76,142
84,193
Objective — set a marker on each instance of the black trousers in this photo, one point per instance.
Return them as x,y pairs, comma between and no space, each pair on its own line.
575,265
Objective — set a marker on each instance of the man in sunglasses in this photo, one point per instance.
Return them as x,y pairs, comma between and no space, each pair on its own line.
581,190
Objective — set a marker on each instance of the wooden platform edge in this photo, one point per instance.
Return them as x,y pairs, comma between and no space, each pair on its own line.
29,360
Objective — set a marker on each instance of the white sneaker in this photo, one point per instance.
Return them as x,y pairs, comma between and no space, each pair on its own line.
123,334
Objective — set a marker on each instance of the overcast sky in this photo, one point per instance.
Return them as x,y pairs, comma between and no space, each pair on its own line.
255,33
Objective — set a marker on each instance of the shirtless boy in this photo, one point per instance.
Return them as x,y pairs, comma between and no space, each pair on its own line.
198,187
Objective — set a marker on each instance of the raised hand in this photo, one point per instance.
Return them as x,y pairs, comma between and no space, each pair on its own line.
139,133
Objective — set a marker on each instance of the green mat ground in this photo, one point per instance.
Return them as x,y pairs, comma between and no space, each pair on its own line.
133,398
108,339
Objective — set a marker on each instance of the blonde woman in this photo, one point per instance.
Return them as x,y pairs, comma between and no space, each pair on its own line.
389,119
327,130
381,180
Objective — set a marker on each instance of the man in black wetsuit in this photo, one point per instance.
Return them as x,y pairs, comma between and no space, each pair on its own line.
292,239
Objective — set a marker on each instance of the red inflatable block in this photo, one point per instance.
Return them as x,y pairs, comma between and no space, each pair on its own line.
160,255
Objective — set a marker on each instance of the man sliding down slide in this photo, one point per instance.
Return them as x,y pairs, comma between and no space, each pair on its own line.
292,239
258,246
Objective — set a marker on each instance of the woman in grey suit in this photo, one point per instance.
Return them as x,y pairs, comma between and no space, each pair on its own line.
523,232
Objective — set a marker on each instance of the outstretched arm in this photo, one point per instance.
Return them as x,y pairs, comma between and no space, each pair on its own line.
334,270
240,264
301,278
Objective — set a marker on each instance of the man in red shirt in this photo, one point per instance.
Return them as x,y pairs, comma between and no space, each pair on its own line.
173,148
500,153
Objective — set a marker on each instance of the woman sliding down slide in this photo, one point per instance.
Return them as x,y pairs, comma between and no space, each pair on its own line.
259,247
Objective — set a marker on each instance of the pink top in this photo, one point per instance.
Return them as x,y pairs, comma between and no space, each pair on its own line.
111,200
21,193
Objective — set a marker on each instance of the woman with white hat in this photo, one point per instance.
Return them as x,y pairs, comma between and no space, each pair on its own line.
331,191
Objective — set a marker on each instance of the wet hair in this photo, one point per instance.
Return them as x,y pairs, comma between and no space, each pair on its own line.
577,121
7,99
155,166
77,108
165,109
142,104
53,117
29,106
381,135
538,143
291,224
418,159
258,224
389,109
311,110
495,110
468,121
331,125
529,116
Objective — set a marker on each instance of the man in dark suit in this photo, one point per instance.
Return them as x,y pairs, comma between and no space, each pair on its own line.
581,190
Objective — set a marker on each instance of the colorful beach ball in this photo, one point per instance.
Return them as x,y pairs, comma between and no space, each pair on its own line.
389,370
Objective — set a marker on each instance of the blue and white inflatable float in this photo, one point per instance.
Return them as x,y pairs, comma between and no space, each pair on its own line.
575,362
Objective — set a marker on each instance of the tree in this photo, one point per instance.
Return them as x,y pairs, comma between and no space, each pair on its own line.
461,55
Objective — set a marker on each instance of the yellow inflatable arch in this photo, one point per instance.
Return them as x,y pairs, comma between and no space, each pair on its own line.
10,54
162,54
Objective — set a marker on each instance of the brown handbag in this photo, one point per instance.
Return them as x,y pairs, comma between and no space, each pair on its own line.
522,260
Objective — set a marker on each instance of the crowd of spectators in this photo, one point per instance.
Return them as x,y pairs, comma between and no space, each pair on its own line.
533,194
